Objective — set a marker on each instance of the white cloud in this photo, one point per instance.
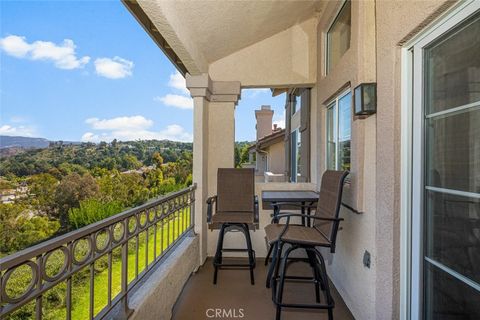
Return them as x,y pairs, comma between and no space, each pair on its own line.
175,132
175,100
62,55
132,128
25,131
89,137
15,46
280,120
181,101
177,81
120,123
116,68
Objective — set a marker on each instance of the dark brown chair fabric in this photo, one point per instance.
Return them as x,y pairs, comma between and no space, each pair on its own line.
235,190
236,207
295,233
329,202
323,233
233,217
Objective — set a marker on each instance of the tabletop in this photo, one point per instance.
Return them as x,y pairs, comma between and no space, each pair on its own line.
294,196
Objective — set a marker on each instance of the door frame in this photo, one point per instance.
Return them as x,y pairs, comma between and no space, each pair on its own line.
412,157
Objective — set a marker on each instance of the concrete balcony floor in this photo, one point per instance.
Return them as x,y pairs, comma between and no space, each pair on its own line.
234,291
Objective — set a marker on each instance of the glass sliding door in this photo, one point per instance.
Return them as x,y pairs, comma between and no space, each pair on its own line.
450,182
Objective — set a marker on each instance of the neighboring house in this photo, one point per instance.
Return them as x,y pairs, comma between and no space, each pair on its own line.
10,195
268,153
284,155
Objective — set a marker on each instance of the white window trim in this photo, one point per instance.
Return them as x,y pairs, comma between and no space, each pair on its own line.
411,253
336,99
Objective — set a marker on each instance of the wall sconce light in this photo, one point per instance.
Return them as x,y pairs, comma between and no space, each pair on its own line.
365,99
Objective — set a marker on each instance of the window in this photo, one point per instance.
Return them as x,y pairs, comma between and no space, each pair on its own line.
297,104
297,151
339,132
338,36
295,137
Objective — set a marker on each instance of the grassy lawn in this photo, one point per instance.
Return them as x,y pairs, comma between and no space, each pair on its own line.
54,300
166,234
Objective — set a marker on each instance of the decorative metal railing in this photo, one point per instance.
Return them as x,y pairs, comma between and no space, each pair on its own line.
94,267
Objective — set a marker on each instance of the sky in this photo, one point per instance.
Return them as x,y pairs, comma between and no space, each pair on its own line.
87,71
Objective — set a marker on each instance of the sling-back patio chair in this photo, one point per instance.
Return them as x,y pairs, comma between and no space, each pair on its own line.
323,233
236,209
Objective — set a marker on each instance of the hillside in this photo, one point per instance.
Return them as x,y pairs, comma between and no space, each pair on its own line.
115,155
22,142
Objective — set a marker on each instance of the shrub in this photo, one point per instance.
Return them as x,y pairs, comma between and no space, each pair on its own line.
92,210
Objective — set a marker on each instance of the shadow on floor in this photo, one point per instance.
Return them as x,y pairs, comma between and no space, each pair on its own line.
236,298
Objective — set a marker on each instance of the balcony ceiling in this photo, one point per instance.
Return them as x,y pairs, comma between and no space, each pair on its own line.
210,30
221,28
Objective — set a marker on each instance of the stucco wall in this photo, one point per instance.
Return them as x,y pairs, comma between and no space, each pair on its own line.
374,56
276,157
164,15
395,20
286,58
221,137
354,281
156,296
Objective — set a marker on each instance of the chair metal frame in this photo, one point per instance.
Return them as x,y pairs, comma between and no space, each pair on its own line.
229,227
277,271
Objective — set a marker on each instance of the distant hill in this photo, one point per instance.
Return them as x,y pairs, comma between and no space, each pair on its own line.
23,142
17,142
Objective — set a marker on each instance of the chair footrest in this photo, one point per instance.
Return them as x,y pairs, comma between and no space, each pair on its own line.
233,265
305,306
234,250
299,278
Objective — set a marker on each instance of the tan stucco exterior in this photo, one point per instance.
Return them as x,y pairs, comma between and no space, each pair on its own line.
293,57
292,64
276,157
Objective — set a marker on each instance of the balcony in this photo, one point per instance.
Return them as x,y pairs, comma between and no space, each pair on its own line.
409,243
93,272
233,293
142,262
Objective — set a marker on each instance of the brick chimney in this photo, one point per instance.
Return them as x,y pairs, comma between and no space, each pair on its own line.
264,118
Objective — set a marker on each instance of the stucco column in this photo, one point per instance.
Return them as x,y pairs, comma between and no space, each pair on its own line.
213,142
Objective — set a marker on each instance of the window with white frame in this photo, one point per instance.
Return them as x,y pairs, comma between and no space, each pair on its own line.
339,132
296,104
296,137
338,36
297,152
296,164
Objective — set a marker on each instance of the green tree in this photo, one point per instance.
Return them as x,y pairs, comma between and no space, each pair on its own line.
73,189
108,163
157,159
237,156
42,192
244,154
19,231
129,162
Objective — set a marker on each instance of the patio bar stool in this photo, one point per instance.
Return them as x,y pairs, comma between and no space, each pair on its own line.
323,233
236,209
